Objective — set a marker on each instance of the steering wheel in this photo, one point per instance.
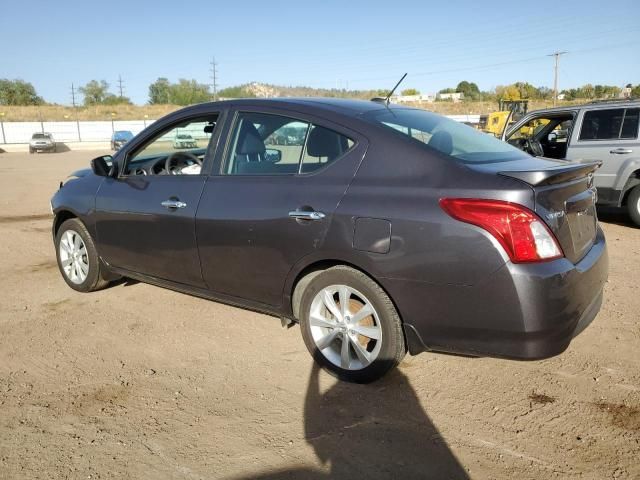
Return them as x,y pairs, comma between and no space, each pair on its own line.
172,164
534,147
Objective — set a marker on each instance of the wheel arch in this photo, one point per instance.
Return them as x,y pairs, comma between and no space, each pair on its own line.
298,282
61,216
632,181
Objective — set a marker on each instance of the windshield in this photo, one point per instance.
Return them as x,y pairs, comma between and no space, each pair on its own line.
447,136
40,135
123,135
184,136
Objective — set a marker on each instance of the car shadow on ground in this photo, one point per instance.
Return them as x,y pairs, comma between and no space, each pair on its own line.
617,216
371,431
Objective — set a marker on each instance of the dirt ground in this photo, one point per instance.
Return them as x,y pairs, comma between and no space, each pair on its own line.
140,382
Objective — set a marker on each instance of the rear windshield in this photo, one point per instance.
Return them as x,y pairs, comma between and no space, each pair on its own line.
447,136
124,135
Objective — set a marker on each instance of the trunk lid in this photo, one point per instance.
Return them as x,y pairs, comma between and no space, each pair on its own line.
564,195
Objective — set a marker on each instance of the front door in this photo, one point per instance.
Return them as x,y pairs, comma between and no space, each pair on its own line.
272,201
146,217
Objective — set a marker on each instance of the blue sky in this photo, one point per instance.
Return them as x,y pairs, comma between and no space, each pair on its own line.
354,44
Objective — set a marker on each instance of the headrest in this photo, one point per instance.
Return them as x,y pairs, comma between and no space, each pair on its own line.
323,142
249,141
442,142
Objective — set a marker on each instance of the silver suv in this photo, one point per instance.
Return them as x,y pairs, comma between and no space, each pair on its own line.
42,142
605,131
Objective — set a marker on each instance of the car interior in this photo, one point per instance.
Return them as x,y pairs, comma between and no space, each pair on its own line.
168,153
545,136
302,153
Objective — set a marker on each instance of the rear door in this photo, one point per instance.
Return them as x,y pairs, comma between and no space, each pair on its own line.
609,135
271,202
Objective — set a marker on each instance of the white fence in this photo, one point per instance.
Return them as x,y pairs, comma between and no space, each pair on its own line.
20,132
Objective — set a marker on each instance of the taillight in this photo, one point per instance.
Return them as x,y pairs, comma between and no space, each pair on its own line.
520,231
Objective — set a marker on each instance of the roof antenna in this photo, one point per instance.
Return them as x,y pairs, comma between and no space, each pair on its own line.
394,89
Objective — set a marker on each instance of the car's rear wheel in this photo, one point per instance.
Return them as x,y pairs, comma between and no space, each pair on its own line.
77,257
633,205
350,326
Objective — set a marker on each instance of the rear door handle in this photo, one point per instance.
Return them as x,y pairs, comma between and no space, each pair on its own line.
621,151
306,215
173,204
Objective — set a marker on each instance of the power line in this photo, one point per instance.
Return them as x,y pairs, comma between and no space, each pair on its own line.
120,86
556,54
214,78
75,110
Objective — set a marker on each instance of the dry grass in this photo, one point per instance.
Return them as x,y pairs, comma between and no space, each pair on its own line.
138,112
101,112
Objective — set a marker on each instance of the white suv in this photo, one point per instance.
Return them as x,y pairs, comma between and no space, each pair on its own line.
604,131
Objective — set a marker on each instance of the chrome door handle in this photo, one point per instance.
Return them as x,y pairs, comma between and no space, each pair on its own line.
621,151
171,204
306,215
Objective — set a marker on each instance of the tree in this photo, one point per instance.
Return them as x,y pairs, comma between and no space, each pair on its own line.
95,92
410,91
18,92
508,92
469,89
447,90
185,92
635,91
159,91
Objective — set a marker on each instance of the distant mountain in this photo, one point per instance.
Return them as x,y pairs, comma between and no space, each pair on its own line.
263,90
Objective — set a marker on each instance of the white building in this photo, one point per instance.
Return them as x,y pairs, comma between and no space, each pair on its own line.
454,97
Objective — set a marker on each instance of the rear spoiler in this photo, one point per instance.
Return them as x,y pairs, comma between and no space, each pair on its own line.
550,176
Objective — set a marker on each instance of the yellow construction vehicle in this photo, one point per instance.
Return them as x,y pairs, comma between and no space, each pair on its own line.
509,111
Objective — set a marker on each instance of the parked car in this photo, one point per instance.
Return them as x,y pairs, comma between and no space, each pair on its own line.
184,140
120,138
42,142
388,230
602,131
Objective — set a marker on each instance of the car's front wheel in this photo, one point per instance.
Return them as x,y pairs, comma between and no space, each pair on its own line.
77,257
633,205
350,325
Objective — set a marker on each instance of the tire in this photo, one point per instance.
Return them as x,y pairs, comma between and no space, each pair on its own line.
633,205
365,358
30,150
71,235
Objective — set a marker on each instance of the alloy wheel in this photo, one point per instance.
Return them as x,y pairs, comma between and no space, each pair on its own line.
345,327
74,257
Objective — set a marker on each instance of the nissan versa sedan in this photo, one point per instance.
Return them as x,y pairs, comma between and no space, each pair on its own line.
386,230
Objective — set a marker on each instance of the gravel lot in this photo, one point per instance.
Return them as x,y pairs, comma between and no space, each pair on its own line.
140,382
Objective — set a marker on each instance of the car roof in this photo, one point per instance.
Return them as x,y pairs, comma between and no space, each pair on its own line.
621,103
350,107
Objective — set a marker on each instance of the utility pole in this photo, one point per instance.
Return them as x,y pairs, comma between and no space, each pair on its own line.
75,111
120,87
555,75
214,78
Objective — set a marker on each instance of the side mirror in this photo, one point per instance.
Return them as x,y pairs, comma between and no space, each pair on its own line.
101,166
272,155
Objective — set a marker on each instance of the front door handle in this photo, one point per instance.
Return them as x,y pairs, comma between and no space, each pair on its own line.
172,204
621,151
306,215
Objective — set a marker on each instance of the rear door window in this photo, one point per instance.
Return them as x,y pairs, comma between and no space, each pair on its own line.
610,124
268,144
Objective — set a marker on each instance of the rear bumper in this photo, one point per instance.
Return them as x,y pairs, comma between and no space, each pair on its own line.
522,311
